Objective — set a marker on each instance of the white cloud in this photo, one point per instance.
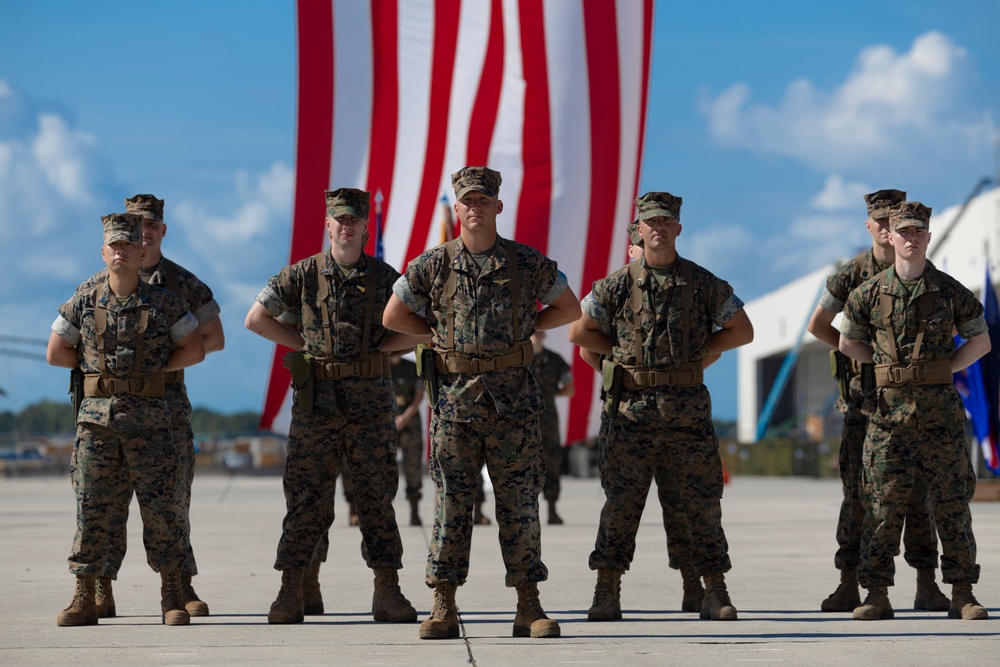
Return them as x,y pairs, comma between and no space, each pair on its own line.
66,157
839,195
909,106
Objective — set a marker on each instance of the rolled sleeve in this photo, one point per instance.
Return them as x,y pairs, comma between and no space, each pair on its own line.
183,327
730,307
65,330
830,303
401,288
271,301
598,313
207,313
972,328
852,331
558,287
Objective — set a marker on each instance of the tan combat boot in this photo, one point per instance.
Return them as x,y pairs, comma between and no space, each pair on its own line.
83,609
288,607
414,514
846,597
105,598
929,596
607,605
443,621
876,605
964,604
388,603
694,592
530,619
172,600
716,605
554,518
191,601
312,597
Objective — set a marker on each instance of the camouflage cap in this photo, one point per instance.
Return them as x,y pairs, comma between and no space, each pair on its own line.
654,204
476,179
633,233
147,206
122,227
880,202
347,201
909,214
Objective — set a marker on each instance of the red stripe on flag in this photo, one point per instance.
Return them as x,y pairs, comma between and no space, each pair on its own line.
385,107
601,36
483,119
446,15
535,205
312,160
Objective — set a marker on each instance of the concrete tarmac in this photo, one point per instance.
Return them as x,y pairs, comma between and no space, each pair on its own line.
781,537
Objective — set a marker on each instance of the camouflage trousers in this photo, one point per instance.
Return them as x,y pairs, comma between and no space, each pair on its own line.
411,444
552,448
675,520
513,457
147,459
316,442
932,446
919,533
678,436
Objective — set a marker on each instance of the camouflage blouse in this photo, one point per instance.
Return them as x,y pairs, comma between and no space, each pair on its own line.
293,295
483,324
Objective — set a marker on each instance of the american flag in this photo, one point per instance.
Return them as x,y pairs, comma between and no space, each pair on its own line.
395,95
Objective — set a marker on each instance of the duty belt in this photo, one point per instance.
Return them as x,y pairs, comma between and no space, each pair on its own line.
173,377
926,372
368,366
145,384
641,378
453,363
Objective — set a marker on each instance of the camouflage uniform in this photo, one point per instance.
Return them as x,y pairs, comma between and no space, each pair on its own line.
668,426
490,416
550,371
411,438
125,436
199,299
351,417
920,536
915,430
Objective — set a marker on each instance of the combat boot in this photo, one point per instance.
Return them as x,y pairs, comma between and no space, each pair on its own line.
83,609
172,600
964,604
478,518
288,607
694,592
846,597
876,605
105,598
554,519
312,597
192,602
929,596
443,621
607,605
414,514
530,619
388,603
716,606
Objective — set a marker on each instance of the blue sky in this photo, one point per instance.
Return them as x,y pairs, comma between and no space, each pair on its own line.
770,119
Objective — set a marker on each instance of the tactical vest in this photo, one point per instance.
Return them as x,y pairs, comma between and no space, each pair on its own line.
895,374
686,374
367,365
446,359
102,385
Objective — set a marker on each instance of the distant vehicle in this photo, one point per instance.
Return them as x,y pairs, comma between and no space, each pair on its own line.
27,460
237,460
